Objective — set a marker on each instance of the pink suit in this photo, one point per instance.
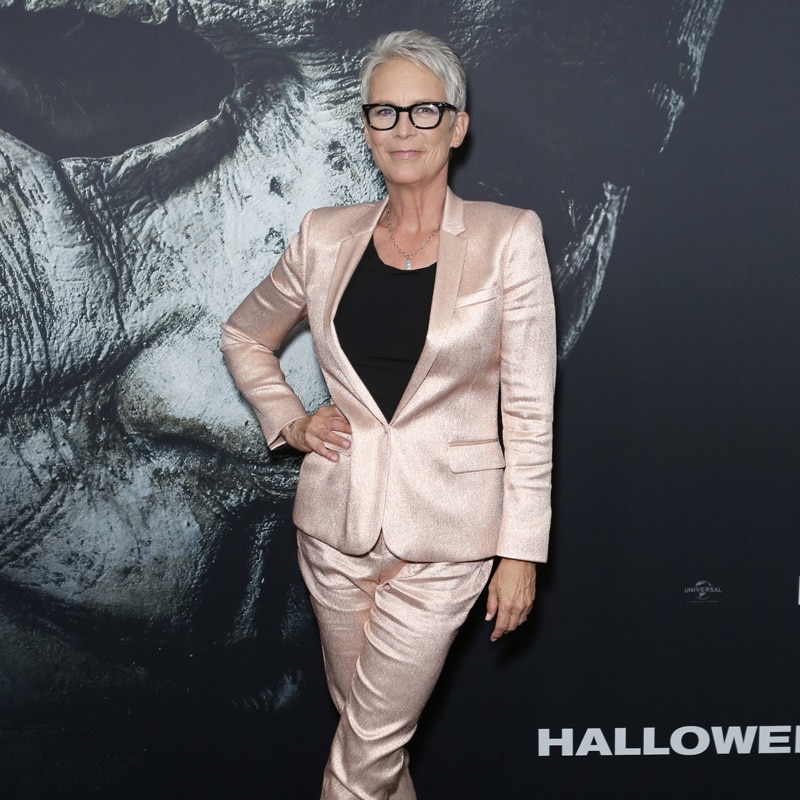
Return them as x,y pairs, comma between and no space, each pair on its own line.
433,484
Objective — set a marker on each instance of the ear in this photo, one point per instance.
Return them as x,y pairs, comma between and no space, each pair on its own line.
459,130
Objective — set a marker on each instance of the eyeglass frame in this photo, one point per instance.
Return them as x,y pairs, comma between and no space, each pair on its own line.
441,105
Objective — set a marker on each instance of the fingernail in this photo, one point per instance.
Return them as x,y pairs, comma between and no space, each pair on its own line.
488,617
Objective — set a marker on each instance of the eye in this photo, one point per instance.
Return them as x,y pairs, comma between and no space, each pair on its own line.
426,111
383,112
76,84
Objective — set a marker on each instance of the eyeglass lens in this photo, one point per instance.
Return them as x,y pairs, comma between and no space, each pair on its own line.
423,115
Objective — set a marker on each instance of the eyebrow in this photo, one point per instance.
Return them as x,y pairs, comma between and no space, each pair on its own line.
416,102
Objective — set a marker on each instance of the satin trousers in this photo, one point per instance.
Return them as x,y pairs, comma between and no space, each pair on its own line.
386,626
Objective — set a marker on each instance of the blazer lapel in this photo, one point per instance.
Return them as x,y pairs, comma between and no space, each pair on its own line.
449,266
351,249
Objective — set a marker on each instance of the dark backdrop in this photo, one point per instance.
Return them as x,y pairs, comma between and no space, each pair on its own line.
677,444
672,595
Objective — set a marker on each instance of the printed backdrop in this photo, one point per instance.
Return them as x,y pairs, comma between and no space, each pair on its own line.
155,157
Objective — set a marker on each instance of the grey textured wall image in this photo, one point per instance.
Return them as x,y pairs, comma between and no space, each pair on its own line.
139,507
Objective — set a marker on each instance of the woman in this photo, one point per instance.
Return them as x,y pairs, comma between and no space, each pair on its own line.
425,311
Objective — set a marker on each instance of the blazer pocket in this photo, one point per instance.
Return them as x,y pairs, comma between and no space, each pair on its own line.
476,297
475,456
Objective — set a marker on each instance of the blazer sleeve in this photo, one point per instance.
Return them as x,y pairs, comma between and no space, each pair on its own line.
257,329
527,383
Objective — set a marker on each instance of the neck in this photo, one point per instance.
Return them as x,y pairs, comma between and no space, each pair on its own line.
415,211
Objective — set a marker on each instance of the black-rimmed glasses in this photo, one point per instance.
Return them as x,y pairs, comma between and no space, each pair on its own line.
384,116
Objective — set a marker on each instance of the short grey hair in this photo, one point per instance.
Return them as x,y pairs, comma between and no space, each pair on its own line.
424,50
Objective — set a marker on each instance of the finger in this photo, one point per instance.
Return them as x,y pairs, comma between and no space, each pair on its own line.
338,439
518,613
511,615
330,410
326,452
330,426
513,622
333,440
491,602
320,447
502,623
328,437
500,629
338,422
341,427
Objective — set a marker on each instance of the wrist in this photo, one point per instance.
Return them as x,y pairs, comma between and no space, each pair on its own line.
288,432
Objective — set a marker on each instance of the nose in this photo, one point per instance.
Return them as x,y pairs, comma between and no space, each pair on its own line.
404,126
180,389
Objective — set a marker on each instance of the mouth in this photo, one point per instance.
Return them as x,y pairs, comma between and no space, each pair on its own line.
130,528
406,153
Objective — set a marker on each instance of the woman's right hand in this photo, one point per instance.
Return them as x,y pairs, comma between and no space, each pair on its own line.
323,430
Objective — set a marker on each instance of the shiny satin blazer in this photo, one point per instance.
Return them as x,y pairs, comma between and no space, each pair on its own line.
435,478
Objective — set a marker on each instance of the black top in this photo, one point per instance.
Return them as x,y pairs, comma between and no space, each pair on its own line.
382,322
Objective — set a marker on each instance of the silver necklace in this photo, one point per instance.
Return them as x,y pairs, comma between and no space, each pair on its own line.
407,256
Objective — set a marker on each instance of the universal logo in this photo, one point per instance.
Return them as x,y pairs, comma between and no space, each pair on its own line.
702,592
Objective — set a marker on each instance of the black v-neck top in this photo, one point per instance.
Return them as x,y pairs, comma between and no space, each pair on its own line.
382,322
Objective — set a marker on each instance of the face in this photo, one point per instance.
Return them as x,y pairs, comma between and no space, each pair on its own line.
137,497
409,156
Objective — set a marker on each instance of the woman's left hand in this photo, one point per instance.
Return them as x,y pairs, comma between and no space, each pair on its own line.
511,593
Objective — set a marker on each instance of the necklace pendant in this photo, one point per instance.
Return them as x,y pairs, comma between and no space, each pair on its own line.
407,265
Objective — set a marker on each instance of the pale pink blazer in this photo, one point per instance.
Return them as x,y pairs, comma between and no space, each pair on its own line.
434,478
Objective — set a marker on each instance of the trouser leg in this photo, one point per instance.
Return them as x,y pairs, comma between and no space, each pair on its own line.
386,627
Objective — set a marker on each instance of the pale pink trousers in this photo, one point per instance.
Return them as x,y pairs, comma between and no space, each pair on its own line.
386,626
